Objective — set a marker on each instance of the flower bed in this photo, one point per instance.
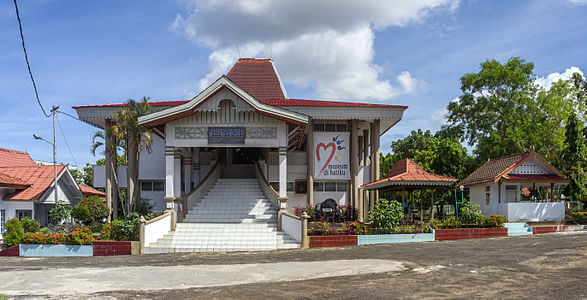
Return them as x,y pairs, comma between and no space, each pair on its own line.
469,233
333,241
395,238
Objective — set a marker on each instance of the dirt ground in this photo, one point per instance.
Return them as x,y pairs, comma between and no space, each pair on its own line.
548,266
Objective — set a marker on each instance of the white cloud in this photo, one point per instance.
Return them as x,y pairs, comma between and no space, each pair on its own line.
326,45
578,2
438,116
547,81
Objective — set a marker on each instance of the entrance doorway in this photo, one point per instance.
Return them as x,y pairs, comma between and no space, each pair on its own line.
240,162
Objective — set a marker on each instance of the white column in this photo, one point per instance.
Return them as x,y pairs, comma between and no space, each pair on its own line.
169,166
282,172
354,160
310,163
177,174
196,166
187,173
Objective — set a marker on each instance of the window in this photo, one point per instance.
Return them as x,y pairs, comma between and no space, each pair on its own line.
290,186
24,213
330,127
511,193
301,186
2,220
487,195
152,186
330,186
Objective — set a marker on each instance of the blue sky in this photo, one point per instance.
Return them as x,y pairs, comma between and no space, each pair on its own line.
398,52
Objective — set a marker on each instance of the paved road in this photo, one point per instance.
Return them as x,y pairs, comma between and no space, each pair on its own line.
549,266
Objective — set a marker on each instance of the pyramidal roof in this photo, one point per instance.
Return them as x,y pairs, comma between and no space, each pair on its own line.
258,77
407,173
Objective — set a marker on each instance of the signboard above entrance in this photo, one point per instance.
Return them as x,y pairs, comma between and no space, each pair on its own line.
331,155
226,135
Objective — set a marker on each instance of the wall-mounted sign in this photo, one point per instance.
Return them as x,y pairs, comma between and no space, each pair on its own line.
226,135
331,155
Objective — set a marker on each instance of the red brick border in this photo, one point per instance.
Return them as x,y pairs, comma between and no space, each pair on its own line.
555,228
12,251
469,233
111,248
333,241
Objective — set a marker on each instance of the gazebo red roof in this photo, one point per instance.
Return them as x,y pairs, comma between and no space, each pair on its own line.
406,174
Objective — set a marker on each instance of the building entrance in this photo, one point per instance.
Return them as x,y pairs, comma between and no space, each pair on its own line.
240,162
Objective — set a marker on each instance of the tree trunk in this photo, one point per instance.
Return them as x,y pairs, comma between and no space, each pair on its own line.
131,172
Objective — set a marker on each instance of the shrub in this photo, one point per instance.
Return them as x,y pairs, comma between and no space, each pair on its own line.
97,208
404,229
96,227
449,223
60,212
579,217
360,229
386,215
308,209
81,213
41,238
471,214
45,230
13,233
106,233
125,230
494,221
80,236
30,225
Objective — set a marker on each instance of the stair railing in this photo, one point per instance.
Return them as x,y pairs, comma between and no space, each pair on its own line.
203,188
267,189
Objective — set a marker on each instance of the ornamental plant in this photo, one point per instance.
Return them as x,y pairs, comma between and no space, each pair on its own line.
495,221
42,239
81,213
60,212
386,215
13,233
97,208
471,214
30,225
360,229
80,236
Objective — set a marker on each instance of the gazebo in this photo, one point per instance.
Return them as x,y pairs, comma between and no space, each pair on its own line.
407,176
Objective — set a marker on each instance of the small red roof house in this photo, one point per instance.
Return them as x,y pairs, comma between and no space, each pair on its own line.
27,190
522,187
406,175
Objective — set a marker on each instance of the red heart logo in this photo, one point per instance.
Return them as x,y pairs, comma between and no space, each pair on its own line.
321,145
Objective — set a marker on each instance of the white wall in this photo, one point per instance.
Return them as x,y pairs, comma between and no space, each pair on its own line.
10,207
477,194
152,165
541,211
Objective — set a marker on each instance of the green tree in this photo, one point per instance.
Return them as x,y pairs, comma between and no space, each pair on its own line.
503,111
574,157
135,138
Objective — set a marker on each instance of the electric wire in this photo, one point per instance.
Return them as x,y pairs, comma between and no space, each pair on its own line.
26,58
73,117
66,142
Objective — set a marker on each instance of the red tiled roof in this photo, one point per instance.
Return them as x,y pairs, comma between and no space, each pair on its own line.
257,77
6,179
322,103
38,177
11,158
407,170
90,191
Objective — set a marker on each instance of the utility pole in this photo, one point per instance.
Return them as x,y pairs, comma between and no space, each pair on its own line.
53,111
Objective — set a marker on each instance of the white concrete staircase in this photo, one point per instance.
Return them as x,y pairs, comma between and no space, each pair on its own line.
233,216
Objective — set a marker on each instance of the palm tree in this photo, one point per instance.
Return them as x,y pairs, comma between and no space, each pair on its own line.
99,140
135,138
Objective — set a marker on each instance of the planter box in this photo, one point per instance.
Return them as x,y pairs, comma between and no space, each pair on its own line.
55,250
112,248
332,241
556,228
469,233
394,238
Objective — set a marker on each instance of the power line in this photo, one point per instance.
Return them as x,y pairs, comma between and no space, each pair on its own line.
73,117
66,142
26,58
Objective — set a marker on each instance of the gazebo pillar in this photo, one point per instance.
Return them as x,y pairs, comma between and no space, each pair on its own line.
354,164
